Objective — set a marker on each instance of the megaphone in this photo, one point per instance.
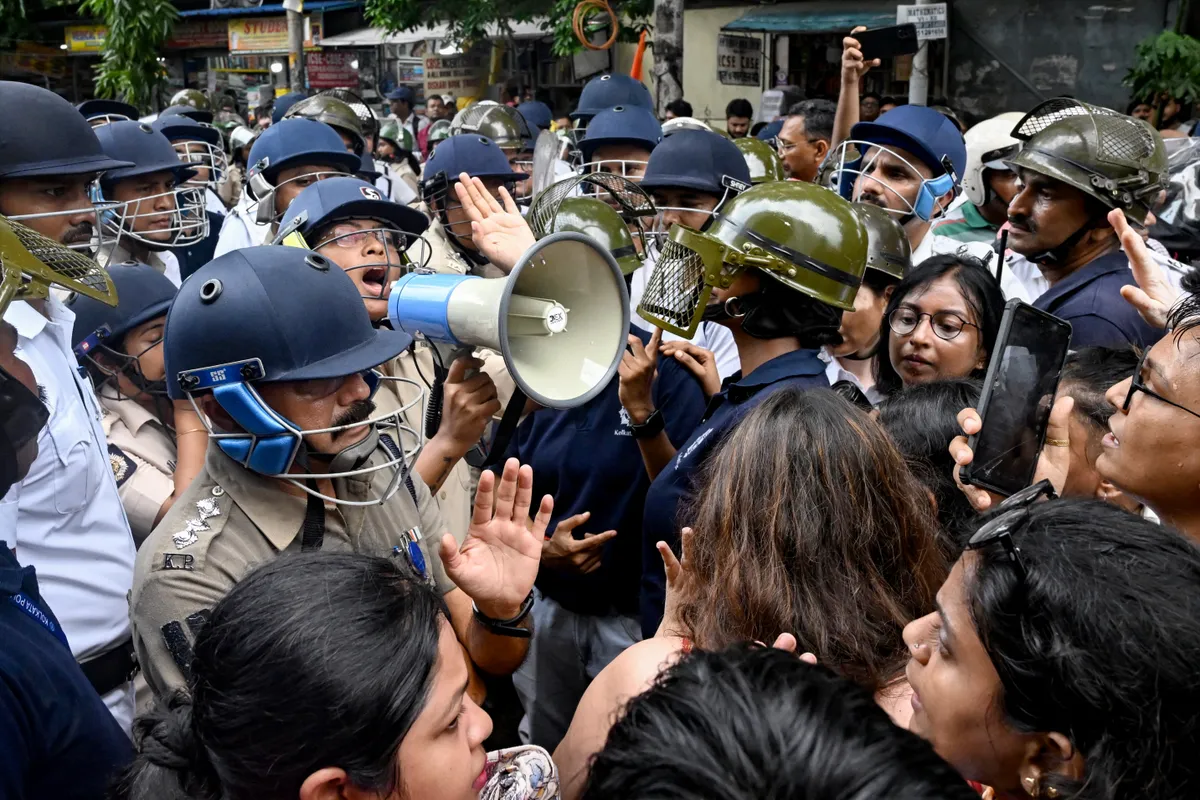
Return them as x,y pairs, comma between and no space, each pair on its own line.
560,319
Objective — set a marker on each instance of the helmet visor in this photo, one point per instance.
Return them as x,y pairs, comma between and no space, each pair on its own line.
384,254
209,161
876,174
176,218
684,275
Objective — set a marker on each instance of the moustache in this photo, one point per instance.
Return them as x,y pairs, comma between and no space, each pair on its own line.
1022,221
359,412
873,199
78,234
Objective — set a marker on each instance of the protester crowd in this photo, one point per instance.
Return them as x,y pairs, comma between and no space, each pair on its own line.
263,541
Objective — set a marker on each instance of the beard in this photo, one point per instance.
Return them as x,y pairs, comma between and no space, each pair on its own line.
359,412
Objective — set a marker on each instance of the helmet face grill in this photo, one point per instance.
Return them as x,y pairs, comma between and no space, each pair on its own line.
370,123
502,125
626,198
676,292
1123,141
58,264
1047,114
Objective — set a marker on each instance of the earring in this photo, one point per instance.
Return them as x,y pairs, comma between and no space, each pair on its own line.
1031,785
1051,792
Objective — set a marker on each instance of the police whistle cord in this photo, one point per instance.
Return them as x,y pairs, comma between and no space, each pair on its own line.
433,411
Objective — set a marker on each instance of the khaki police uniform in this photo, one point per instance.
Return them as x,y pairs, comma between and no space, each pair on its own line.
456,497
230,520
402,170
447,260
162,260
142,453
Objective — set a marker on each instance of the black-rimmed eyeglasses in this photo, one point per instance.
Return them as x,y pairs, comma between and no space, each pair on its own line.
1009,514
1139,385
946,324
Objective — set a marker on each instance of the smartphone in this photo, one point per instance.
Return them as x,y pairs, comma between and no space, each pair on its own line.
894,40
1018,392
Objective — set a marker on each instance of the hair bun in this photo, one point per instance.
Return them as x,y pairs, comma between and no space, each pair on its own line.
165,736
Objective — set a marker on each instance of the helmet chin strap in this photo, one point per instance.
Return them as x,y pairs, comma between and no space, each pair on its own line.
1055,256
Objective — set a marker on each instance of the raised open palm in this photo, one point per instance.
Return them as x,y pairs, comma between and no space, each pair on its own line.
497,563
499,231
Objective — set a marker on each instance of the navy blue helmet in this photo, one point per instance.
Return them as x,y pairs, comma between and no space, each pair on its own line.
632,125
607,91
49,137
291,143
102,112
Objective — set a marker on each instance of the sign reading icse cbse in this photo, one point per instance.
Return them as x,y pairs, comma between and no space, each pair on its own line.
739,60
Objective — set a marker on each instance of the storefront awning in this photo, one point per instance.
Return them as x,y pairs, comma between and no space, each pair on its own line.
821,17
373,37
271,8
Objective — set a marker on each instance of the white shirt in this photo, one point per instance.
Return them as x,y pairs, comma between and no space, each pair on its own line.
834,372
240,230
393,186
213,203
66,517
709,335
934,245
164,261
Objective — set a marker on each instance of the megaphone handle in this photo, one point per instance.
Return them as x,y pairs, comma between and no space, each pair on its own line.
480,458
447,354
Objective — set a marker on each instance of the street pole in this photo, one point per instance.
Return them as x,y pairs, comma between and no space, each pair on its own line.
295,21
918,81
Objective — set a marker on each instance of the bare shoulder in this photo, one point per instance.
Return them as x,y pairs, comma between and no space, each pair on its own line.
629,674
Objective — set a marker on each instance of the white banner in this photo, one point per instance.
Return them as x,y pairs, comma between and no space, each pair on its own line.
932,21
739,60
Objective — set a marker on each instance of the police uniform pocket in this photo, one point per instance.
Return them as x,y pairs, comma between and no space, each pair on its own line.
77,474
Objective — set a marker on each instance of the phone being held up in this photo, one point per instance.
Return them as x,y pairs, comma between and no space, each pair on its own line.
1018,393
889,42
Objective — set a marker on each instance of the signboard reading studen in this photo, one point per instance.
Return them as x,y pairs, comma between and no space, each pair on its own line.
269,34
739,60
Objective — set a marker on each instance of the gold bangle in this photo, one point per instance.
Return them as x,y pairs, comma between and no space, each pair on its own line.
193,430
1058,442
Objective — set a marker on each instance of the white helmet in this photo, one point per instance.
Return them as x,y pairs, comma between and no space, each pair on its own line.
989,144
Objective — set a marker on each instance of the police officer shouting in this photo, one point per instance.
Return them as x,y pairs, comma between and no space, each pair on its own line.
69,490
375,241
297,461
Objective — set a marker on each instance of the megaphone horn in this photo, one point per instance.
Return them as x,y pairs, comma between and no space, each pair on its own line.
560,319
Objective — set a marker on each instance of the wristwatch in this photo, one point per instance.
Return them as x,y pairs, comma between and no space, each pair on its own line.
652,427
507,627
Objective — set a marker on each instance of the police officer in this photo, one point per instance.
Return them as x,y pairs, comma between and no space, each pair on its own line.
449,234
691,176
59,739
400,104
509,131
376,241
283,160
1077,162
395,152
202,147
889,258
296,461
44,181
910,162
589,458
779,265
619,140
102,112
762,160
437,132
607,91
156,209
123,352
337,115
988,183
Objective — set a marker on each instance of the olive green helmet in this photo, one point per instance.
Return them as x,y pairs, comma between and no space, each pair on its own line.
191,97
366,117
391,130
888,248
332,112
1119,160
503,125
762,159
626,199
31,263
807,238
595,218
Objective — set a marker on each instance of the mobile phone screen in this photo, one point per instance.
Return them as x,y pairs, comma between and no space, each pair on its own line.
895,40
1018,392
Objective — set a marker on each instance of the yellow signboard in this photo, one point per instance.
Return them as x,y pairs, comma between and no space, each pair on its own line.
86,38
269,34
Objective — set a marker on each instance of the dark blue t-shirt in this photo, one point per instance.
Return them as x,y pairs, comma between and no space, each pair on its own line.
673,487
195,256
57,739
587,460
1090,299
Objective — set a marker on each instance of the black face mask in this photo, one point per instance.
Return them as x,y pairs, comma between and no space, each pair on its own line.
22,417
776,311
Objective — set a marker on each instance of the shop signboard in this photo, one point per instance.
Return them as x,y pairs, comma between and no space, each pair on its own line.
268,34
86,38
194,34
739,60
461,74
931,20
329,70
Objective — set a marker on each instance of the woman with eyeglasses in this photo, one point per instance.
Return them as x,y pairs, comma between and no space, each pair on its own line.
1061,659
940,322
